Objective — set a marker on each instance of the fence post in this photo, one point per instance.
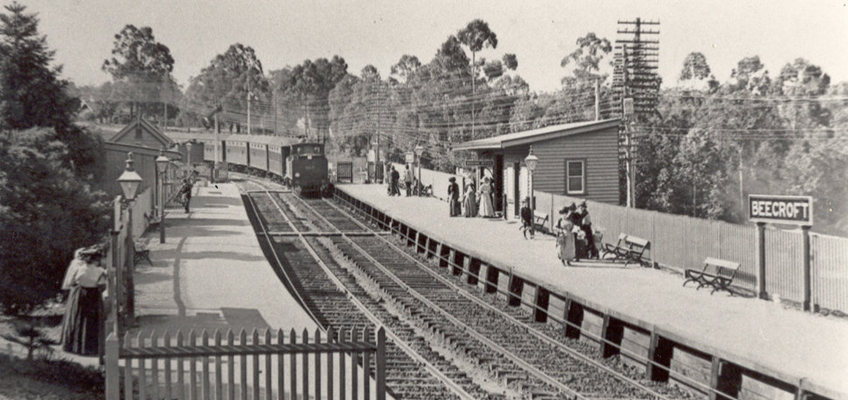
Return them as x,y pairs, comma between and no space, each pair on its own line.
112,371
761,261
381,364
807,281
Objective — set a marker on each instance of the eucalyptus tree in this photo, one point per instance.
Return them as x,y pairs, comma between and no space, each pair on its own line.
143,64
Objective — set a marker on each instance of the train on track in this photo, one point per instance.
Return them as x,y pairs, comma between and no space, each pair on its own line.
298,163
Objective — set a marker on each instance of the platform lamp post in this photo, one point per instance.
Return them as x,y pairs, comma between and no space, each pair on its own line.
531,162
162,164
130,181
419,150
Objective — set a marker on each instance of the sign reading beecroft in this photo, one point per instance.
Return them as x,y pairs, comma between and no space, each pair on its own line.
795,210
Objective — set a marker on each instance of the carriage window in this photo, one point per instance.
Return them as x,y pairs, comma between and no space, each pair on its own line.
317,150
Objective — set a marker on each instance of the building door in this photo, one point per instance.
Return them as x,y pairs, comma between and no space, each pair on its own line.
499,181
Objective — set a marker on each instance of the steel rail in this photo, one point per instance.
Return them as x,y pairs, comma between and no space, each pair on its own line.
450,384
488,342
542,336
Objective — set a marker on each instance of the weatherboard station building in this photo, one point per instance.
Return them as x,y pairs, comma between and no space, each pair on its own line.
578,159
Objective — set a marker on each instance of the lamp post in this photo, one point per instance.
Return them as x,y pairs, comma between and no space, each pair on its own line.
418,151
531,162
130,181
162,163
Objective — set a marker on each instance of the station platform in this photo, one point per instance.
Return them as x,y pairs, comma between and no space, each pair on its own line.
768,336
211,273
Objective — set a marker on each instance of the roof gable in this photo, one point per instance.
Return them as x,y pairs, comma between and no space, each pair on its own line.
128,135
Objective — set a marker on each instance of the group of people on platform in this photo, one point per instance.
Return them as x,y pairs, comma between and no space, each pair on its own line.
575,237
408,180
471,202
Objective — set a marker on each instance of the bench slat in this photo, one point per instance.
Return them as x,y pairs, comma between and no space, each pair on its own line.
722,263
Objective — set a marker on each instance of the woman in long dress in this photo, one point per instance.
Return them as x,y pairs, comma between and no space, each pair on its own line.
453,198
82,323
470,201
565,237
486,208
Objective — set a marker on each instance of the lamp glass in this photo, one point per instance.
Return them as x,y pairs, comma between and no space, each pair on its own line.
130,181
531,161
418,150
162,163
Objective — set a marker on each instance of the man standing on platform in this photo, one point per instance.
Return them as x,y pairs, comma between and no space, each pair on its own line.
395,178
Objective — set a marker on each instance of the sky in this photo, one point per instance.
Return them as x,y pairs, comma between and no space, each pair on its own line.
379,32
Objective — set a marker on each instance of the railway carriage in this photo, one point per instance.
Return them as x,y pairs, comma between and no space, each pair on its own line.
276,160
236,154
258,157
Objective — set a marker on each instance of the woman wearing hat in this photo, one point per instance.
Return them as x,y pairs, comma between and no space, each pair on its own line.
470,201
486,209
453,197
565,236
81,325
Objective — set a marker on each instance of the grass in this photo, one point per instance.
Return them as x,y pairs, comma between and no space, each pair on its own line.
47,376
48,379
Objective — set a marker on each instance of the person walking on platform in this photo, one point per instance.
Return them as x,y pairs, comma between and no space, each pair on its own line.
453,197
470,201
82,323
486,209
408,179
585,223
526,218
185,192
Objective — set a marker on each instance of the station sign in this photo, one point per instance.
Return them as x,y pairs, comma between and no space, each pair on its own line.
480,163
410,157
794,210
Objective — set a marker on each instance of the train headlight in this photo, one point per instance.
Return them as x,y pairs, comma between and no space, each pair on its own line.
297,174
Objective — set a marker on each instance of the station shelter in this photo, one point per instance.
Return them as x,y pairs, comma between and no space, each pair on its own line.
578,159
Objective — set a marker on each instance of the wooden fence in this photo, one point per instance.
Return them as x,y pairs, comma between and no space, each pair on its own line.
678,241
256,366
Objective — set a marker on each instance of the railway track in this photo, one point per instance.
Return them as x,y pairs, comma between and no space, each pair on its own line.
491,350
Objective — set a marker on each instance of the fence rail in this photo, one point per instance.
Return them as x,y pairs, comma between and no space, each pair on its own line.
679,242
267,365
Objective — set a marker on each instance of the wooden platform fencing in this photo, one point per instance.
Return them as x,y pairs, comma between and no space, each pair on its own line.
262,365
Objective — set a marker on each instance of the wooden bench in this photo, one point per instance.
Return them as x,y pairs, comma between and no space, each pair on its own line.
716,273
628,248
141,253
539,221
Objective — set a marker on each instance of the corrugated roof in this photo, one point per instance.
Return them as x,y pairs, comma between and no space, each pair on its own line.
534,135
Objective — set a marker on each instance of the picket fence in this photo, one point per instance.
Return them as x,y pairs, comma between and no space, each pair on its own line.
256,366
680,242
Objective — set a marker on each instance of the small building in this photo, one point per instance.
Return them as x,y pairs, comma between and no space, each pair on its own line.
142,133
578,159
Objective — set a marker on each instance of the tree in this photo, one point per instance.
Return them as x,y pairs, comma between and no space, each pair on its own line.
45,213
144,63
226,81
312,82
695,67
31,94
587,59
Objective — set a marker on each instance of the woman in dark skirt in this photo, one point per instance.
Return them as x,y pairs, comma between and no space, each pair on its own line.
82,324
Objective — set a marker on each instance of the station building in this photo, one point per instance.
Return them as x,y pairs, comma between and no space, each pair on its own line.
578,159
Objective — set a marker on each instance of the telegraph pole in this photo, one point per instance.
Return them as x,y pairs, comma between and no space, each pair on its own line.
637,84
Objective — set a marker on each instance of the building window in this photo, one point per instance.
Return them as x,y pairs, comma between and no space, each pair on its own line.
575,177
